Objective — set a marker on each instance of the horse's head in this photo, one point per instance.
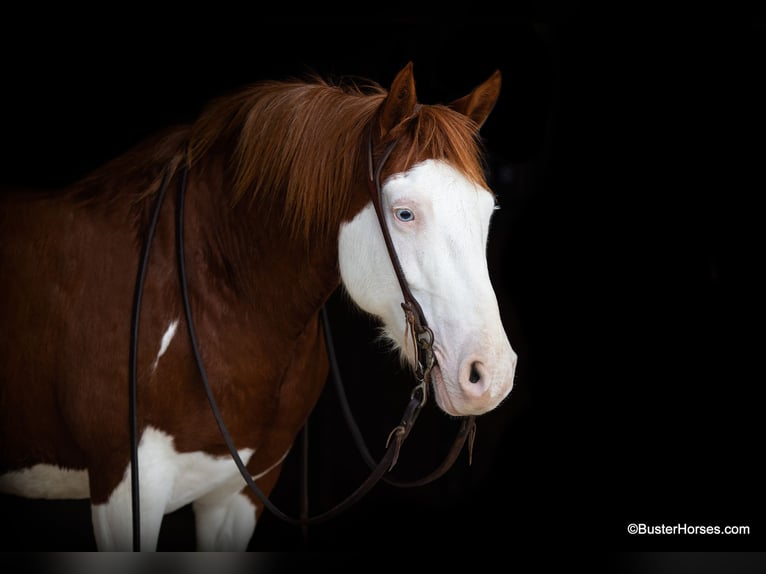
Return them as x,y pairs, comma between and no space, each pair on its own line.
437,209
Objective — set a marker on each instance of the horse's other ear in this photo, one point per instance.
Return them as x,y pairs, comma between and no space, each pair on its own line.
400,101
479,103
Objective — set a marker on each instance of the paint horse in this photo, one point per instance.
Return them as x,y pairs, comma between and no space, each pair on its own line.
278,215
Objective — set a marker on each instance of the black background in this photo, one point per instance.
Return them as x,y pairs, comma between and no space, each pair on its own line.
627,256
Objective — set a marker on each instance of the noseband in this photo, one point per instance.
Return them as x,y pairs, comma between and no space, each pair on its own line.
421,336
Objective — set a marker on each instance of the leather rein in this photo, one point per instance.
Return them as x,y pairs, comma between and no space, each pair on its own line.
421,335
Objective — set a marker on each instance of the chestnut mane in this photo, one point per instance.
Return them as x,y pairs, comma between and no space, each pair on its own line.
302,140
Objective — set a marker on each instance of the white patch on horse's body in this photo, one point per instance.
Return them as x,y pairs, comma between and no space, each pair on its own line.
225,518
165,342
168,481
46,481
439,224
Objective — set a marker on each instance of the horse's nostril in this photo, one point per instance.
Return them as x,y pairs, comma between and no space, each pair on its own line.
475,376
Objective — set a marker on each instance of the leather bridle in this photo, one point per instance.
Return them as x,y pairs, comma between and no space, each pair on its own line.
421,335
420,332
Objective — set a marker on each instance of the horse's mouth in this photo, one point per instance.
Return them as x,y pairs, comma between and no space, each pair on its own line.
440,391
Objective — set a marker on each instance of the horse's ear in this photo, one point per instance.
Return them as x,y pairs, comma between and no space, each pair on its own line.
400,101
479,103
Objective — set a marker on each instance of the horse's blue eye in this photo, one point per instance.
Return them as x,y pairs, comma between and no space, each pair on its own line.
404,214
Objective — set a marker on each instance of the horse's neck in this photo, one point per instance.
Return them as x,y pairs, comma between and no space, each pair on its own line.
251,261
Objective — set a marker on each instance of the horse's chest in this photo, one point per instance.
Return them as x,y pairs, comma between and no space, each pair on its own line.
182,477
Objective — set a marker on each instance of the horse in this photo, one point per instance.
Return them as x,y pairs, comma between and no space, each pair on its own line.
278,215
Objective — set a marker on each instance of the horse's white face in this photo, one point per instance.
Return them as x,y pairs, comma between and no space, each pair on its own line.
439,223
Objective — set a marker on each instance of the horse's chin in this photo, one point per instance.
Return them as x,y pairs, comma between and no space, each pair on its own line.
441,395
